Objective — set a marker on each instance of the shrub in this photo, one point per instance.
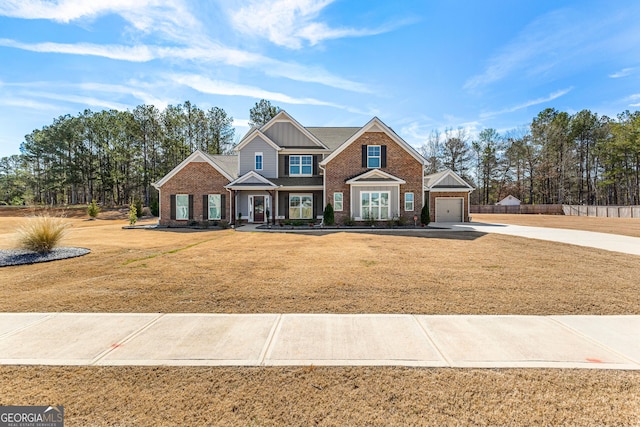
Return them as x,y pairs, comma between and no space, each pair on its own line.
93,209
155,208
328,216
42,234
133,214
402,221
425,216
138,204
369,221
349,221
223,224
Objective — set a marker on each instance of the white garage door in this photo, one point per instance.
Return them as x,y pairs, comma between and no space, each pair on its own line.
449,209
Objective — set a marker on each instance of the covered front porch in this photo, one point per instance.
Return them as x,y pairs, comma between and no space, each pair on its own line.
258,200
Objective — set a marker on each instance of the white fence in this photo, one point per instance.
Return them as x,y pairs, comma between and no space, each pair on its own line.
602,211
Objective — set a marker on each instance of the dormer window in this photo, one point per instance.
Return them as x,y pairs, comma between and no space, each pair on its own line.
300,165
258,161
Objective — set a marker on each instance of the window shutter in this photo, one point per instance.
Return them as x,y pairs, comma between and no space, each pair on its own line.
223,206
364,156
190,206
205,207
315,206
286,203
173,206
383,156
286,165
315,165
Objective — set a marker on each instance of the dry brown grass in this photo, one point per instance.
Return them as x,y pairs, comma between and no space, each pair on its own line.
227,271
234,272
624,226
323,396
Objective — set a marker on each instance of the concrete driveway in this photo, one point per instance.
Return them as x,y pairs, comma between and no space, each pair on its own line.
591,239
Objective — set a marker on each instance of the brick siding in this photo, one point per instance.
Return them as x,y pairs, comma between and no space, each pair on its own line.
348,164
197,179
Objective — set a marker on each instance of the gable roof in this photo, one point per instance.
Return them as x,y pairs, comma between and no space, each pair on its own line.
251,179
197,156
283,116
250,137
447,179
509,198
375,176
376,125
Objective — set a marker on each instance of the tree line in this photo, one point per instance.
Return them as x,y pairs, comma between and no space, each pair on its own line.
114,156
580,158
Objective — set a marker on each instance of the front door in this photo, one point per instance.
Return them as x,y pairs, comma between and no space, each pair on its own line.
258,208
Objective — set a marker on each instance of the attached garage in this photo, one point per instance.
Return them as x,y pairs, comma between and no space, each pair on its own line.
448,197
449,209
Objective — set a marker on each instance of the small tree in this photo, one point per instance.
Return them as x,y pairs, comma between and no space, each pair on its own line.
133,214
425,216
93,210
328,216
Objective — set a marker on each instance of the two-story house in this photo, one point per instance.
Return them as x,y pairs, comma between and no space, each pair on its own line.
283,170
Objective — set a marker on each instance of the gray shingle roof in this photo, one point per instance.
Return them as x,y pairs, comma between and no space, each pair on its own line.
228,163
333,137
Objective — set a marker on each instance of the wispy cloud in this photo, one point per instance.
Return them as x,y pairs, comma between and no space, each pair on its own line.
169,20
123,53
214,52
559,43
633,98
540,44
551,97
290,23
78,99
21,102
622,73
219,87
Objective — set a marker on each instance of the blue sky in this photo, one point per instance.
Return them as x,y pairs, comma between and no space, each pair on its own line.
417,65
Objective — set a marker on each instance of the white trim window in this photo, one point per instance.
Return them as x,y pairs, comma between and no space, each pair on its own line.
182,206
300,206
408,202
259,161
374,156
300,165
337,202
374,205
215,207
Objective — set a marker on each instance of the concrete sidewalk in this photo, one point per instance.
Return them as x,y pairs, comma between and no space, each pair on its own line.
596,342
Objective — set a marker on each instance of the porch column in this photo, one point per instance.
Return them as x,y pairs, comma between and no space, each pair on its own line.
272,194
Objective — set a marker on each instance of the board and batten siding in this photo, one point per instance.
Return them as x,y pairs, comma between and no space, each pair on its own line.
247,158
394,190
287,135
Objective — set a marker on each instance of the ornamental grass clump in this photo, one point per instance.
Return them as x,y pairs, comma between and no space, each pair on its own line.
42,234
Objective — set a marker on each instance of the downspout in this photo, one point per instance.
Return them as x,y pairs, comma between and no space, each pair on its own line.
324,189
